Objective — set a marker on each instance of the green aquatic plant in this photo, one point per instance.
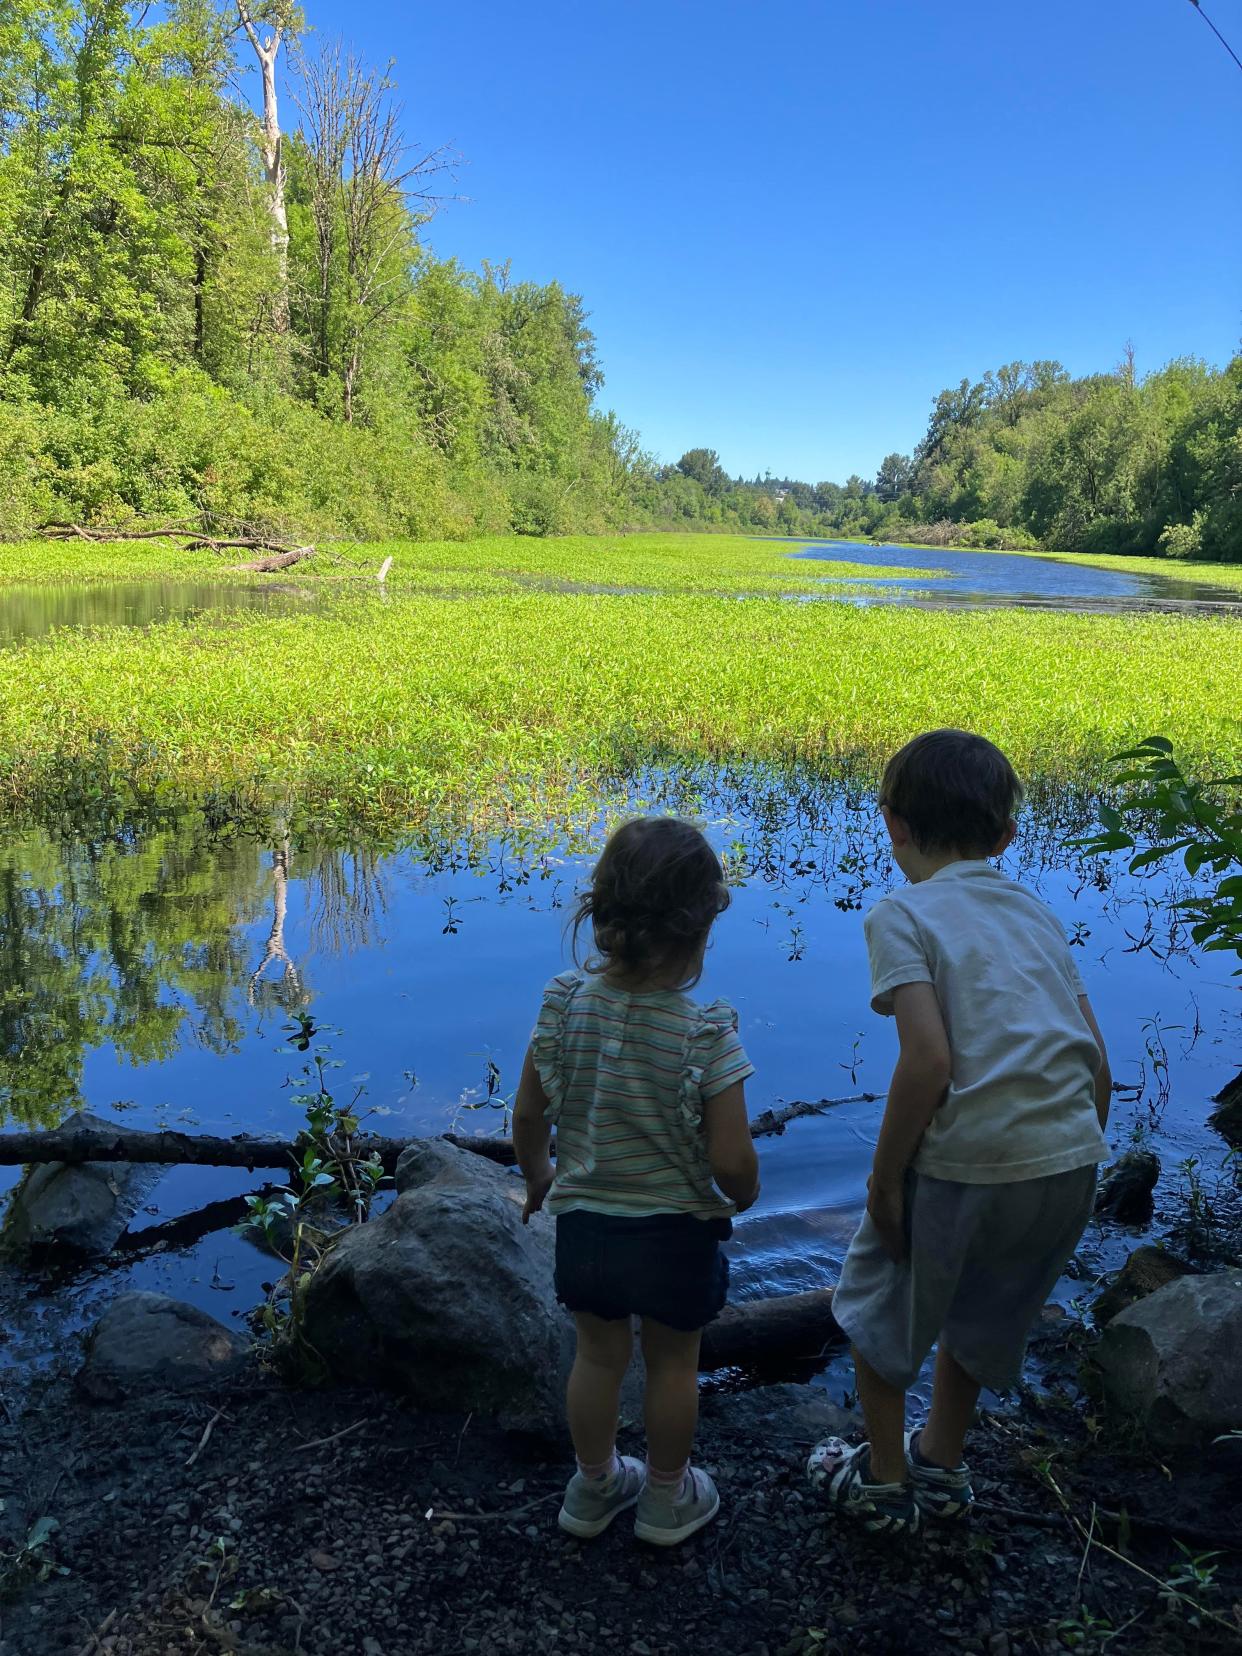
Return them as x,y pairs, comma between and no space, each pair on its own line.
334,1181
485,687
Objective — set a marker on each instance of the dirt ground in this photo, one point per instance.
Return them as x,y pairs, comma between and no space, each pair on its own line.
277,1523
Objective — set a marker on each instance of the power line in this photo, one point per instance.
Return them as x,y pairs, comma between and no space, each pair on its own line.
1217,33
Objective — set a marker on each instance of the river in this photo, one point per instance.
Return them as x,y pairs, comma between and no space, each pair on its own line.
151,979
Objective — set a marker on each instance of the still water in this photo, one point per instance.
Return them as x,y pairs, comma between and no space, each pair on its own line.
991,580
28,612
150,978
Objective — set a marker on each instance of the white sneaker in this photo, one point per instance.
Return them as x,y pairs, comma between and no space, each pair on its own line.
665,1519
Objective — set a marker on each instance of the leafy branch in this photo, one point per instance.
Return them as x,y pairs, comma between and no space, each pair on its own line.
1164,813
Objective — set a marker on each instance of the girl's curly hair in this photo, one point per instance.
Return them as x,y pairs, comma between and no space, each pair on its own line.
656,891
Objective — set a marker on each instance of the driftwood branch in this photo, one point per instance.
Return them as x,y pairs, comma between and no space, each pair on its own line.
775,1121
82,531
766,1125
282,555
73,1143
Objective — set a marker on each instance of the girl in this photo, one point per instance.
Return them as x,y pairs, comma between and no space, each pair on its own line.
645,1089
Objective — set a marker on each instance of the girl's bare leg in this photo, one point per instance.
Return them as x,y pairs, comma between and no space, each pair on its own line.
671,1402
604,1351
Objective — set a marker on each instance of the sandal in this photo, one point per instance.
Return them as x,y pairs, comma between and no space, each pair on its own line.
841,1474
940,1492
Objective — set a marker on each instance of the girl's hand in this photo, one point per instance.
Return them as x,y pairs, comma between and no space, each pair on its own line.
537,1188
886,1205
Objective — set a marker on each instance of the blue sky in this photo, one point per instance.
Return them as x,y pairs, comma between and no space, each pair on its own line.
794,222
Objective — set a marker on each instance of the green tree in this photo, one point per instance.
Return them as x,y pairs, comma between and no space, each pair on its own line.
703,466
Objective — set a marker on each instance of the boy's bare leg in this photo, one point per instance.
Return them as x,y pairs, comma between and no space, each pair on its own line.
671,1402
594,1395
954,1396
884,1408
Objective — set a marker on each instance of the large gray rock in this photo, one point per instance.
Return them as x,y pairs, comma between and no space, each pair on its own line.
81,1208
448,1295
146,1342
1173,1361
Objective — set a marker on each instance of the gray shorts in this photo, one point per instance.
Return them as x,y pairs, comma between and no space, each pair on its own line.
983,1259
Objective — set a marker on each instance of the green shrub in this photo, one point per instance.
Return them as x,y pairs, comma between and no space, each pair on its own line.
1183,540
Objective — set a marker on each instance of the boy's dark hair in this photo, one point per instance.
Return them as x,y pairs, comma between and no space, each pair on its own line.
954,791
656,890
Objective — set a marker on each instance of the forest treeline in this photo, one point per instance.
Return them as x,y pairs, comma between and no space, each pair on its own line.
219,304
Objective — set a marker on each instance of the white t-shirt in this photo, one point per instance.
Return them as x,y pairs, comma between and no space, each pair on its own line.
1021,1101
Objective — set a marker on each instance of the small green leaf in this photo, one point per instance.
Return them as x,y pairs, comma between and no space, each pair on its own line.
41,1532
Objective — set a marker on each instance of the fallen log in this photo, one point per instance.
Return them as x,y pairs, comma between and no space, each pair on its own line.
280,560
789,1328
90,1144
283,556
74,1143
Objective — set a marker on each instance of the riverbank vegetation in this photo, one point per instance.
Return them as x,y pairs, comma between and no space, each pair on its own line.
218,318
1025,457
484,685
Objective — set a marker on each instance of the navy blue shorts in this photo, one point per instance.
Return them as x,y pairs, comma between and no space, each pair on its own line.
668,1266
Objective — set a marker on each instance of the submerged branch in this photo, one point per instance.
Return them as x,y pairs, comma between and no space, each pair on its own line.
72,1143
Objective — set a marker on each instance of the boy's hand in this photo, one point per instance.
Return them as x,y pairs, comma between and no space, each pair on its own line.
537,1189
886,1205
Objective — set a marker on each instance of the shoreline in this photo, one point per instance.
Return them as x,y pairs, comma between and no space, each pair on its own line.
265,1522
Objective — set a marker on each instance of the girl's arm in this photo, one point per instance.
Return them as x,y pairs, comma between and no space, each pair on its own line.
532,1138
920,1080
730,1148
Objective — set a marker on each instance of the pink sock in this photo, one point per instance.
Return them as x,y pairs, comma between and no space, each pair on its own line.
668,1483
605,1469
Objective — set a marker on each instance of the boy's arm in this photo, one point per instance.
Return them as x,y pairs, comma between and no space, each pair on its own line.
532,1138
915,1093
1103,1075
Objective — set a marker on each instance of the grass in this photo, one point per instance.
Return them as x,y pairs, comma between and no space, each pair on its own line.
1172,569
424,707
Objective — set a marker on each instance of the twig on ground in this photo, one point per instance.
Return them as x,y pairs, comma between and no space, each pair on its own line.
461,1435
435,1516
1136,1522
1086,1554
323,1442
101,1632
206,1437
1165,1588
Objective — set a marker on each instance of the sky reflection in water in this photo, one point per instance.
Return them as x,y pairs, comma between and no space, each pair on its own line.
430,974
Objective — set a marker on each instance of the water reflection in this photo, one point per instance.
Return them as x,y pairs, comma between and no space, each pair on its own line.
28,612
149,975
145,945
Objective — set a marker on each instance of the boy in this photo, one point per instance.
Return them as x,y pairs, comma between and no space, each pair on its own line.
985,1168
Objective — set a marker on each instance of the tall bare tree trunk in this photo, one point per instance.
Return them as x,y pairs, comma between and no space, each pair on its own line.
273,160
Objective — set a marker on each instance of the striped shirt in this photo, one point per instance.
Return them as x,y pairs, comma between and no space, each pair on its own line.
626,1077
